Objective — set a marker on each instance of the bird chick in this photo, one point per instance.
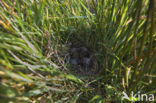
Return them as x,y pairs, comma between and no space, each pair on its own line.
84,52
74,53
86,61
75,61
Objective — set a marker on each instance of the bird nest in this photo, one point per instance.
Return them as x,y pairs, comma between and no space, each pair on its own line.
82,61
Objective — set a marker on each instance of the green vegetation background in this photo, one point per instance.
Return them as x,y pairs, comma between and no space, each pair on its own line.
35,38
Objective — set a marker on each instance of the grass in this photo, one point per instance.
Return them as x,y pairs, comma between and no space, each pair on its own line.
35,39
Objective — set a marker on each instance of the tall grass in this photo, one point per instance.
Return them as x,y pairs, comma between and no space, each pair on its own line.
35,38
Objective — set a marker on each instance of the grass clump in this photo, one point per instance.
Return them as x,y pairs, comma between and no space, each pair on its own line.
36,37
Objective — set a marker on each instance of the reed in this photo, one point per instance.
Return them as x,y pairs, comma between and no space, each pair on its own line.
36,38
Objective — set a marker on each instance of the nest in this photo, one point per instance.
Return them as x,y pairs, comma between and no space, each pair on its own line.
82,61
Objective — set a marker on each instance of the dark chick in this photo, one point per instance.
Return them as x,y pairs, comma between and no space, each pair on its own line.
75,56
75,61
86,61
84,52
74,53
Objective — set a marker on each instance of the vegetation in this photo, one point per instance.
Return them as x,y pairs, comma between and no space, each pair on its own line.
36,38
